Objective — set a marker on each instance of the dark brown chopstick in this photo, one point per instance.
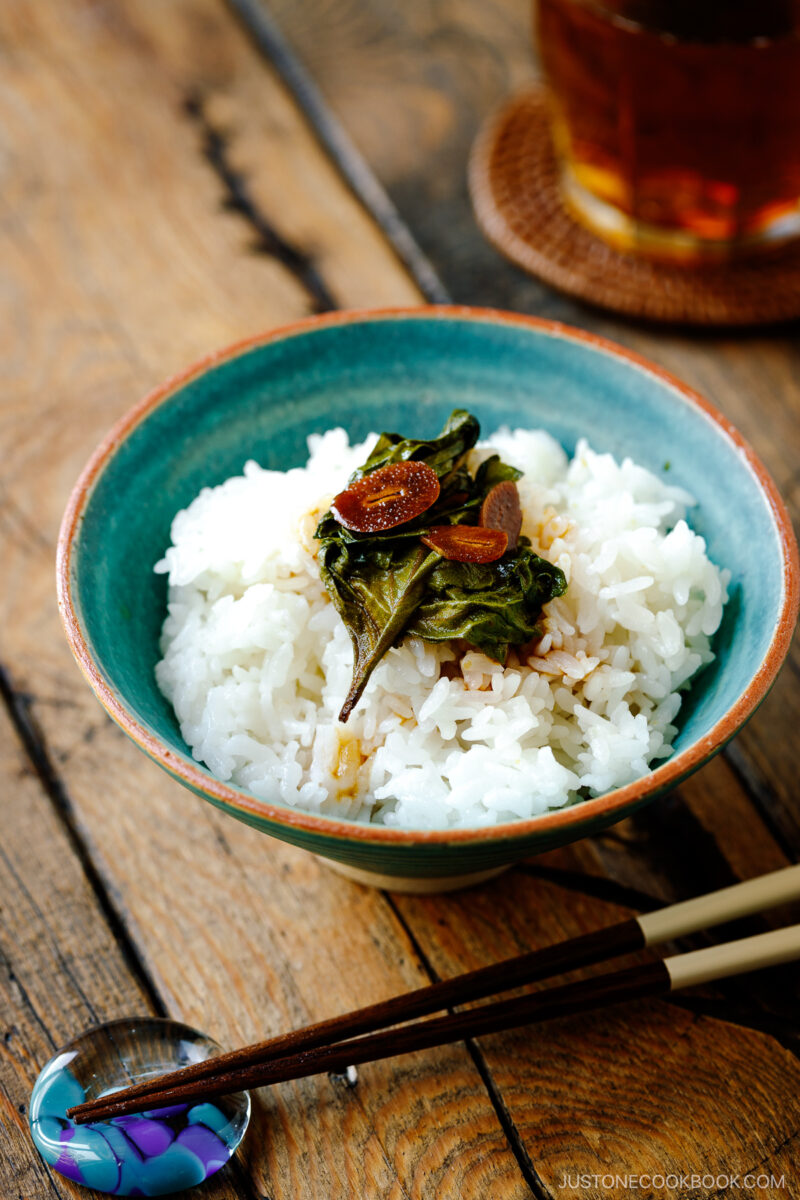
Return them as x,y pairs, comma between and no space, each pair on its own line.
536,965
586,995
313,1049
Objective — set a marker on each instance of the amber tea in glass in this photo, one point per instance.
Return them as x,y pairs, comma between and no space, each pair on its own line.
677,122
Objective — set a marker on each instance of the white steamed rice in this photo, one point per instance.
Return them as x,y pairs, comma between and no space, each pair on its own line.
256,661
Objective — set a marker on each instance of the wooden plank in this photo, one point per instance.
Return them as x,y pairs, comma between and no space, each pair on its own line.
449,66
658,1108
61,968
652,1088
123,268
336,141
185,877
249,937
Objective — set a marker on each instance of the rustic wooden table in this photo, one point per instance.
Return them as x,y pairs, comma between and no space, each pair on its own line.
175,177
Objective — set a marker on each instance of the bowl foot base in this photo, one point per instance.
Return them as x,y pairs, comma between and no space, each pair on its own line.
414,885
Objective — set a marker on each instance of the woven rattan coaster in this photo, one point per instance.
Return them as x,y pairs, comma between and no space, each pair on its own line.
516,195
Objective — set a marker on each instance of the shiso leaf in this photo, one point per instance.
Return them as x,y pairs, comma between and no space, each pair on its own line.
460,433
493,606
376,598
386,585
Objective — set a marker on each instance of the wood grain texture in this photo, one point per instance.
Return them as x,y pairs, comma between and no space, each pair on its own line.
123,263
247,938
161,196
61,967
655,1088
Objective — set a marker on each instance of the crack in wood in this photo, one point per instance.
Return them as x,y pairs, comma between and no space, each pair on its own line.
20,710
57,951
239,199
539,1190
54,1187
529,1173
14,982
758,1166
336,143
784,1032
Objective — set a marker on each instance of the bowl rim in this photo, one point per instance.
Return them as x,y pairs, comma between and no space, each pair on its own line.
608,807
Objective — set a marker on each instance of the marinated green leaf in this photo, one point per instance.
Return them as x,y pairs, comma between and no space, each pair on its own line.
460,433
490,605
386,585
493,471
376,596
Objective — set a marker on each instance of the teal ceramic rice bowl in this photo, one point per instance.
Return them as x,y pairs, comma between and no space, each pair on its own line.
407,369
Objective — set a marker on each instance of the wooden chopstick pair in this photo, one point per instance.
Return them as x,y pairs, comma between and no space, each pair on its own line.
365,1035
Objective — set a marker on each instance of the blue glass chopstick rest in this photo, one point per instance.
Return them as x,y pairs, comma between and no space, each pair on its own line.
148,1154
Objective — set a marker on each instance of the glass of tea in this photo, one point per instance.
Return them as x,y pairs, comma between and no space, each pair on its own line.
677,122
